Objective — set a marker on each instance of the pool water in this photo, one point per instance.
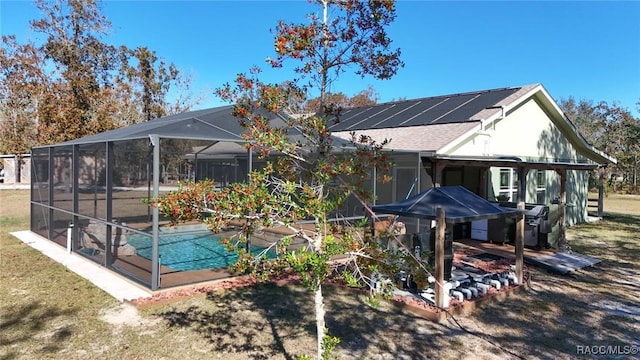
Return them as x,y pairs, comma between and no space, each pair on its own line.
189,251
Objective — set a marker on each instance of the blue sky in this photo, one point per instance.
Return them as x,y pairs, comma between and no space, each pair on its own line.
585,49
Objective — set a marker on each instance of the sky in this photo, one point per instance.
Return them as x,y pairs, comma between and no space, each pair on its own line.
582,49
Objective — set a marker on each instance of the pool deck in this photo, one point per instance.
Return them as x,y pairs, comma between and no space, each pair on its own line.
118,286
123,288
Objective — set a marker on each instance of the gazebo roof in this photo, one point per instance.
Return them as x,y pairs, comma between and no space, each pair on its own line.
458,203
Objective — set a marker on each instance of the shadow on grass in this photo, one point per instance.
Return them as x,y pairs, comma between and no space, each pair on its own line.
267,321
562,313
596,306
366,331
22,324
255,321
550,320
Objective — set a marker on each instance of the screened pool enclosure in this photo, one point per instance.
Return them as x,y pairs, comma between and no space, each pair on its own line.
89,194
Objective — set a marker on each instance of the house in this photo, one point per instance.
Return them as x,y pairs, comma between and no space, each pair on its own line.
512,142
11,172
485,141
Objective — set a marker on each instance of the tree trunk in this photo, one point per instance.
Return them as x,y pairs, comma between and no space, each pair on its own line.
319,299
320,324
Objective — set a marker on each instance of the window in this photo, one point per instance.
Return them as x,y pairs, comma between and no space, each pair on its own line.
541,186
508,185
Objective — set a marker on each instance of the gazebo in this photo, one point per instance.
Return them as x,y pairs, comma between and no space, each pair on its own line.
450,205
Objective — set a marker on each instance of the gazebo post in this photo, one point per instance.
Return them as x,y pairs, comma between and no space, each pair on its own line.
520,242
439,263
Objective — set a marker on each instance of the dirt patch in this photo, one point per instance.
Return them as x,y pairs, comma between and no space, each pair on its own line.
125,314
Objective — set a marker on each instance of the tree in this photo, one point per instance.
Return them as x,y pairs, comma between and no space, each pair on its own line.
366,97
151,78
338,101
609,128
83,64
75,84
307,177
22,92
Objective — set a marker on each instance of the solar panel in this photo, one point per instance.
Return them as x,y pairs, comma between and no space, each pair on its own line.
425,111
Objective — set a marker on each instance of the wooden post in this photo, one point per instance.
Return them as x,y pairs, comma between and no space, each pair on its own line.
439,263
562,208
601,192
520,243
522,183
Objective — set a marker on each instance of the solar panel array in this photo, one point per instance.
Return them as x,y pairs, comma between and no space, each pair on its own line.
443,109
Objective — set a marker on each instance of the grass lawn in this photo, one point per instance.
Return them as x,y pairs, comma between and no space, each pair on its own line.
47,311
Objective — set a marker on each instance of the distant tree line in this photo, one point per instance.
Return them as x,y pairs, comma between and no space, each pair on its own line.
75,84
613,130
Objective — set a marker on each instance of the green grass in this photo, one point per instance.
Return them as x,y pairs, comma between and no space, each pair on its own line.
47,312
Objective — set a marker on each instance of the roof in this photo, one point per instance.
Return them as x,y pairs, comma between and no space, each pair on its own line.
215,124
432,137
442,122
439,120
458,203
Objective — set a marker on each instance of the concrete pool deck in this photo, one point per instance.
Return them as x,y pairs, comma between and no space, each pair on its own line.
113,284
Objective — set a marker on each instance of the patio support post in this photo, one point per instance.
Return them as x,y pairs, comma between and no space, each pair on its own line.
250,165
375,188
440,165
439,263
520,242
155,263
418,185
522,183
601,192
562,208
196,176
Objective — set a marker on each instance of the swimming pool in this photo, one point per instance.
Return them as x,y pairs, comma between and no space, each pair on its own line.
193,250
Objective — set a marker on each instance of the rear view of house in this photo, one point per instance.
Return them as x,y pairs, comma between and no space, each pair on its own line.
509,144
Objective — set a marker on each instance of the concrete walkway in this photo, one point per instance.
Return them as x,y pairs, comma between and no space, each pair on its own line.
115,285
4,186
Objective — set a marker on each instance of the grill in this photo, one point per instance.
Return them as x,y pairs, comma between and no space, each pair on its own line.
536,224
